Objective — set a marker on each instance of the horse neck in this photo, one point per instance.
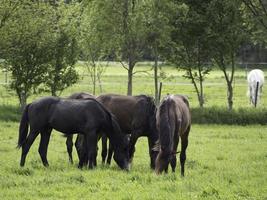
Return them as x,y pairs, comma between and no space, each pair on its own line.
114,134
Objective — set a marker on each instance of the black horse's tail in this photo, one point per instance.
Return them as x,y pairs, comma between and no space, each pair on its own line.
23,127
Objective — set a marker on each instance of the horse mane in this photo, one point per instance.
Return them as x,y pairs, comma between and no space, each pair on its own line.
112,118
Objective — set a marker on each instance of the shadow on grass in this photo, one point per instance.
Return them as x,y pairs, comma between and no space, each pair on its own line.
10,113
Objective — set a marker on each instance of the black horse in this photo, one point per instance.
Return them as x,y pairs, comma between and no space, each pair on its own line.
68,116
173,121
79,138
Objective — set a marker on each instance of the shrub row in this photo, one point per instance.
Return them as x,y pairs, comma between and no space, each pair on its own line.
218,115
212,115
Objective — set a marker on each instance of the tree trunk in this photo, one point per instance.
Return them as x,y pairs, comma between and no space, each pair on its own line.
230,95
229,89
130,80
201,93
230,82
199,96
156,77
22,100
100,83
94,77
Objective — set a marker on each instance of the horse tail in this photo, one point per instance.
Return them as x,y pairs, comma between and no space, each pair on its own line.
166,134
23,127
165,122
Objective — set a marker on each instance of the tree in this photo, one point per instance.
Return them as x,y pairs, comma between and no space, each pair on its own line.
257,19
7,10
157,15
226,32
190,46
27,40
61,71
94,41
259,10
128,34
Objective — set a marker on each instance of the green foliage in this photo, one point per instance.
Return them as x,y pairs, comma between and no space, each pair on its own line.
219,115
227,31
10,113
39,47
190,47
256,18
61,73
26,40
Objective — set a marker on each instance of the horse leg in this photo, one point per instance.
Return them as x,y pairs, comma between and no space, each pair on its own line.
45,136
166,169
173,156
91,143
104,148
174,159
133,141
69,145
153,154
26,147
81,148
184,142
110,153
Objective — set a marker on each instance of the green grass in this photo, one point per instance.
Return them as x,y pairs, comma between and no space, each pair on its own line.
223,162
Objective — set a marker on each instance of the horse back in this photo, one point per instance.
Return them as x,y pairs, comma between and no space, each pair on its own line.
182,113
131,111
66,115
81,95
254,76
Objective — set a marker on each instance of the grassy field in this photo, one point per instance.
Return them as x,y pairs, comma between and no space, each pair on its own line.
223,162
115,81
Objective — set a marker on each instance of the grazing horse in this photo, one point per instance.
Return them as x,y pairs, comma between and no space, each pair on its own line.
69,142
136,116
255,77
173,122
69,116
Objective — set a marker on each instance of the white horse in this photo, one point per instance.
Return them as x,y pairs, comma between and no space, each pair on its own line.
255,76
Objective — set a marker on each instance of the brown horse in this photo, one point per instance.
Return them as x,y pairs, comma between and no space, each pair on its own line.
136,115
173,121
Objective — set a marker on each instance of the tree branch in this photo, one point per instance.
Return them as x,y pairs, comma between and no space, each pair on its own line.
123,65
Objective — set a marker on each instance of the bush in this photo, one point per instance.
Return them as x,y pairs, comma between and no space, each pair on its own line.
218,115
9,113
212,115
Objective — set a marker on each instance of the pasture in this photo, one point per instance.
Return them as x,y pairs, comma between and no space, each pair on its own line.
223,162
114,80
